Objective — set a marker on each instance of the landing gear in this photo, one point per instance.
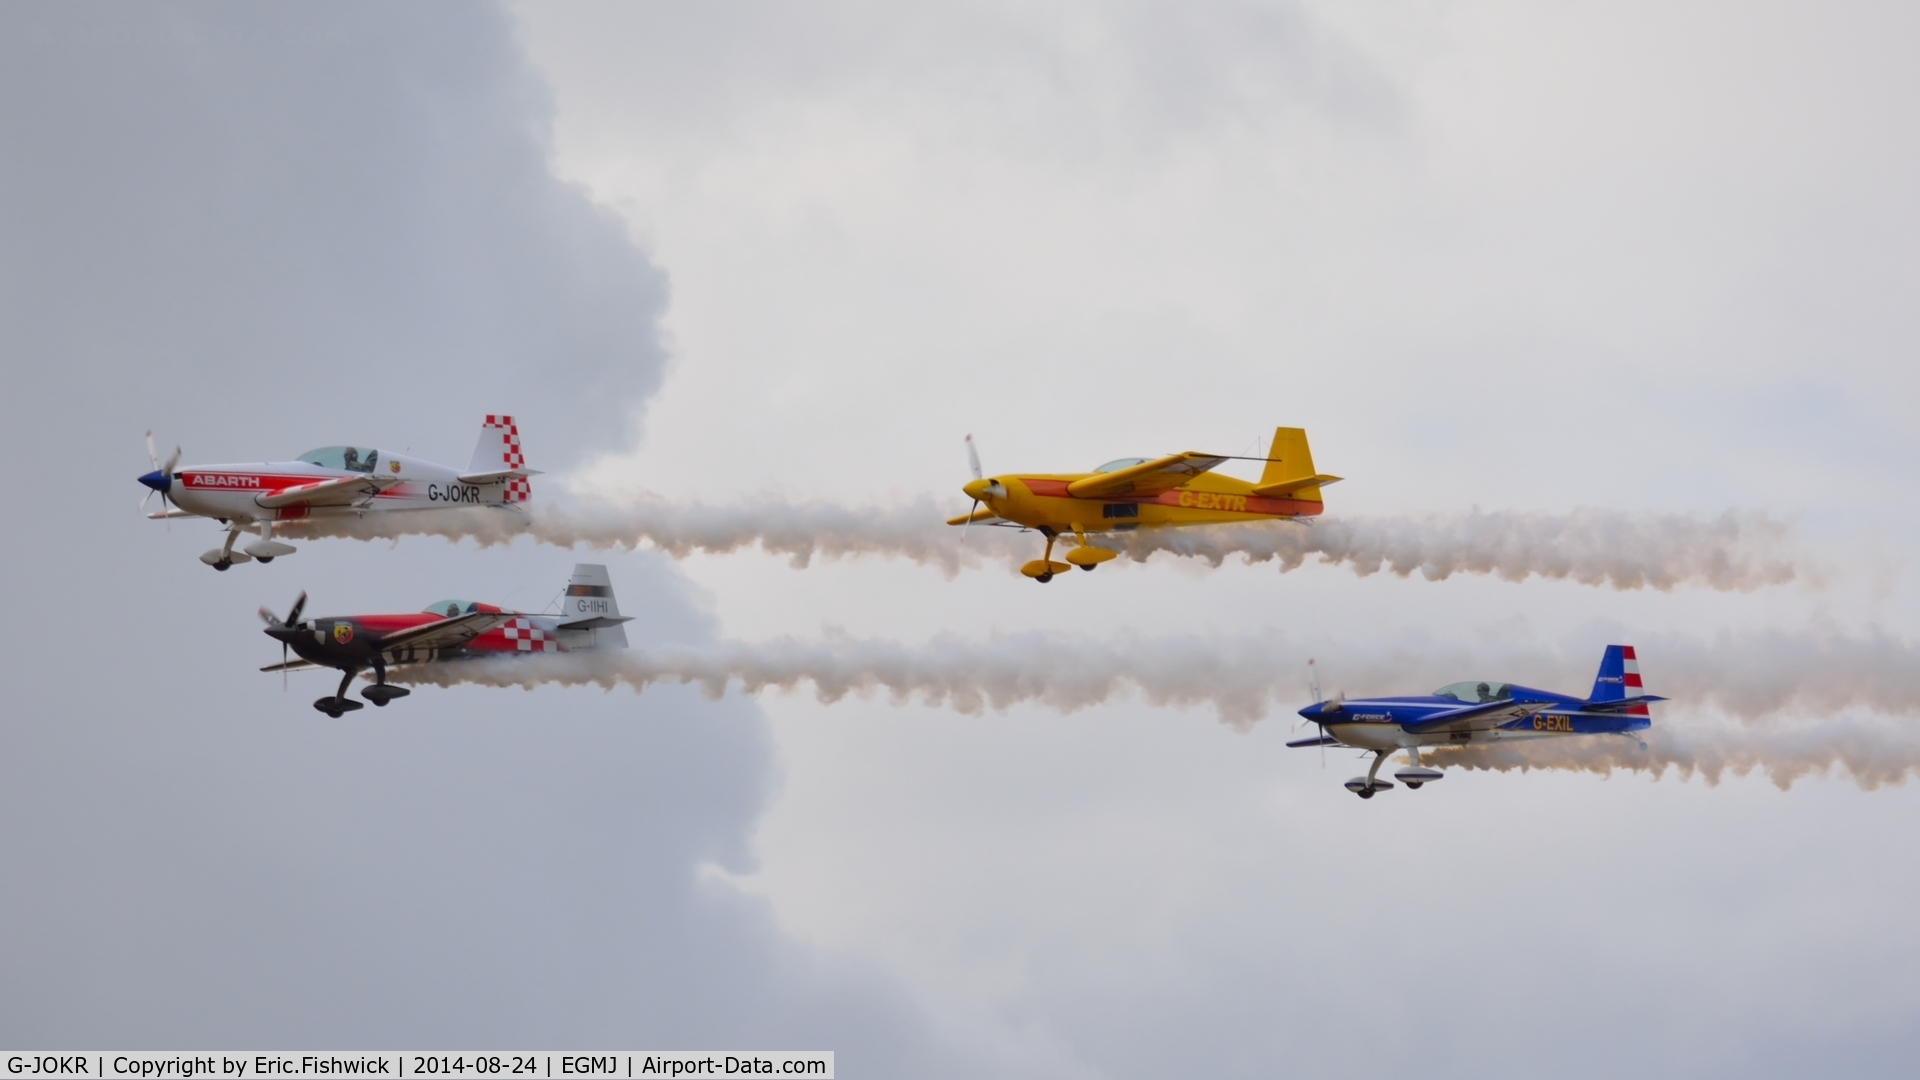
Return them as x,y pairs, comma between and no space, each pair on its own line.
380,693
267,549
1370,785
340,702
1414,775
1086,556
222,558
1043,569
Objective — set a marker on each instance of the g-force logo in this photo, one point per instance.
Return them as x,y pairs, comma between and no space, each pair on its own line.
1374,717
1213,500
228,480
1611,680
453,493
1553,723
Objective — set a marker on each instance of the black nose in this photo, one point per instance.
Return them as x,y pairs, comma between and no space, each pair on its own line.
158,481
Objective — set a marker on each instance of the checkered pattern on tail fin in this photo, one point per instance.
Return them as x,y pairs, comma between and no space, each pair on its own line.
499,448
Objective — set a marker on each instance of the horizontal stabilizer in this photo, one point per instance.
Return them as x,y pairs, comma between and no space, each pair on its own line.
1288,487
497,476
1318,740
1619,704
598,622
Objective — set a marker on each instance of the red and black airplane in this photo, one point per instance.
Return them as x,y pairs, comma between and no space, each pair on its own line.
447,630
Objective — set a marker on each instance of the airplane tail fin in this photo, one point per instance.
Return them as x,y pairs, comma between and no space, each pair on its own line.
588,608
1289,469
1619,682
497,456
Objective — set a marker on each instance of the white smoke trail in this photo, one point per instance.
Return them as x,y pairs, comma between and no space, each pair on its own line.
1784,704
1733,551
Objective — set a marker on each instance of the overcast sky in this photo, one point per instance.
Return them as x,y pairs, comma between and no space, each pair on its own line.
1642,258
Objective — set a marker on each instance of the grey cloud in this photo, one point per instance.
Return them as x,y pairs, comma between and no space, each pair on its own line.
258,228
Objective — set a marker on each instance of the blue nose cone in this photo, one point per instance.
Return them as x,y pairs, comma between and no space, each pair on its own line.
158,481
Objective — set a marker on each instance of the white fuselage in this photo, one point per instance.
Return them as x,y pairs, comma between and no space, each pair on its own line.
233,492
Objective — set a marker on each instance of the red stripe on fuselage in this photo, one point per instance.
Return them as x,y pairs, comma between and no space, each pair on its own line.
251,481
1229,501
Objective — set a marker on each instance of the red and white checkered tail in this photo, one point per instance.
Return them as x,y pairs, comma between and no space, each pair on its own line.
498,451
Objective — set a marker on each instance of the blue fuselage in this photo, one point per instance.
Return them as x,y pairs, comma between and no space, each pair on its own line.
1382,723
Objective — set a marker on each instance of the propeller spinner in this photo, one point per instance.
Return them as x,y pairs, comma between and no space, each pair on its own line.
161,478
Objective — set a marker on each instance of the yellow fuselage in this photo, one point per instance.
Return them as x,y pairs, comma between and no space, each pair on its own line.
1041,501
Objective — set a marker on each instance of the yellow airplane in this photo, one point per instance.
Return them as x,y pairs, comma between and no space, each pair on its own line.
1132,493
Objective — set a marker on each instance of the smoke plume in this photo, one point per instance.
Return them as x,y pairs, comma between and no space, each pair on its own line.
1784,704
1733,551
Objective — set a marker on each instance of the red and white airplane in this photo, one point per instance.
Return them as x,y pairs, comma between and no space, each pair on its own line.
447,631
334,481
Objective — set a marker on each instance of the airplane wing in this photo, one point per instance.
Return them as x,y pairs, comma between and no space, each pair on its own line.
447,633
1151,478
980,513
339,491
291,665
1481,717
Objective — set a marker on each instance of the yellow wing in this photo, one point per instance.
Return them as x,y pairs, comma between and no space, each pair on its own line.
1151,478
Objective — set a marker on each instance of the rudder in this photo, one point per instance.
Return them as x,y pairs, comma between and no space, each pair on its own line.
588,607
1619,677
1289,470
499,450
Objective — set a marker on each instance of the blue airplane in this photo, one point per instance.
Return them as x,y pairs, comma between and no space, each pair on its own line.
1474,713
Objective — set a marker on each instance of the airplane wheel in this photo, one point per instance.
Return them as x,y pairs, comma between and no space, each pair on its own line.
1365,794
223,565
1088,567
379,703
1044,578
264,558
1414,785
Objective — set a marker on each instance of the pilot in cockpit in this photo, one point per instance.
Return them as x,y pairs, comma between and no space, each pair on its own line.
1485,692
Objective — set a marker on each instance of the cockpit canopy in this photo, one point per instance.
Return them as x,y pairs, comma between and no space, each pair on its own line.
1473,693
1121,463
347,458
451,608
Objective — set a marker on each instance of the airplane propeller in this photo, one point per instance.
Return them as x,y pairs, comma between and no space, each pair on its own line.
161,476
291,622
1330,705
973,459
